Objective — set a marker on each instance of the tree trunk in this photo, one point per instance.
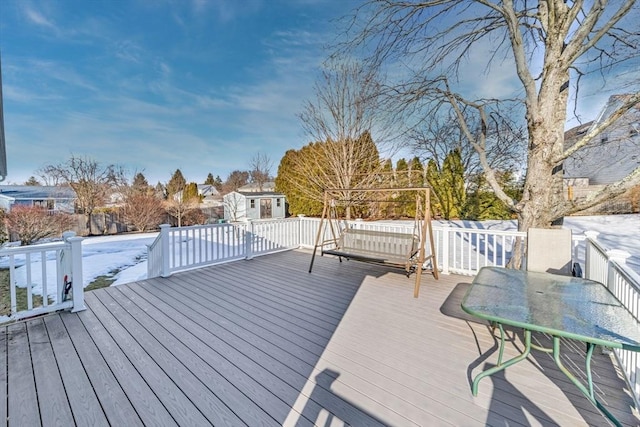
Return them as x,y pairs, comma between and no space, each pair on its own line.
543,200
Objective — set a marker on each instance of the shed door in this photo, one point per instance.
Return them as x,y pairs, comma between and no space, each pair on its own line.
265,208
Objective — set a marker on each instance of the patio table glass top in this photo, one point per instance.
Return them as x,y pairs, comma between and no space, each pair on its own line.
562,306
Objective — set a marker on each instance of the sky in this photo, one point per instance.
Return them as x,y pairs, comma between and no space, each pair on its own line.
158,85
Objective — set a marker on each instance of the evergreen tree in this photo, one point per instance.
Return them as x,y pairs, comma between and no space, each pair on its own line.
304,174
176,183
160,191
416,178
218,183
387,180
403,198
448,186
32,181
482,203
304,196
190,193
210,180
140,184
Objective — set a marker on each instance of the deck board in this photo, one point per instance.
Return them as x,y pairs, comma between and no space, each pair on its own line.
21,382
139,393
140,355
52,396
264,342
82,399
236,409
112,397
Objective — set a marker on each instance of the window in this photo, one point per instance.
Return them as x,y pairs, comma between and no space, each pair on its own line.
278,202
46,204
252,203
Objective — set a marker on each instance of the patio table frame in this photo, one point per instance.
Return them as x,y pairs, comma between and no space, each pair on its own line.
560,306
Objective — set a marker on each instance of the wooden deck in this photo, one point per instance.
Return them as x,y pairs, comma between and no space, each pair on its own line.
263,342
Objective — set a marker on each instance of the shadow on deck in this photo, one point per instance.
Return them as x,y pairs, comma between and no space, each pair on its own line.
263,342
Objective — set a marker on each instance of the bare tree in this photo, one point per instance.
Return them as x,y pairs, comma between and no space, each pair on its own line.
143,211
235,180
185,209
341,120
50,175
233,206
551,45
89,179
31,223
260,171
435,139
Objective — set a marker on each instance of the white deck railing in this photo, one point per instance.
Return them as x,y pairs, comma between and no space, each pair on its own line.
458,250
609,267
200,245
53,270
466,250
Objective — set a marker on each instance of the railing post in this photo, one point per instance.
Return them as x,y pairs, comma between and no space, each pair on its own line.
619,257
248,236
590,235
77,285
445,249
164,245
300,229
576,240
64,269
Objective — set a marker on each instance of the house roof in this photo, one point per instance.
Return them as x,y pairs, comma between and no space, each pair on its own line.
255,194
36,192
255,187
260,193
611,155
574,134
207,190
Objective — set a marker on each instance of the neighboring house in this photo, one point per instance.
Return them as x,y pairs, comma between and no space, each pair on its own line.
241,205
53,198
210,195
608,157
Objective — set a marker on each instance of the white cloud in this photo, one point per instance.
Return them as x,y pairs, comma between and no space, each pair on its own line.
36,17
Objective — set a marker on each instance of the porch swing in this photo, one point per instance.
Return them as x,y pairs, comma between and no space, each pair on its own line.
360,241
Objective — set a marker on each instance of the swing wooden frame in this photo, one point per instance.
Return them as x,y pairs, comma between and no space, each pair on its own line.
394,249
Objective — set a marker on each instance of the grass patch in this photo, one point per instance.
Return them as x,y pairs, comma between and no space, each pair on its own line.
102,281
21,295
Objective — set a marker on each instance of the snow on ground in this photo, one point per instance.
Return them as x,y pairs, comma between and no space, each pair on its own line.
127,253
616,231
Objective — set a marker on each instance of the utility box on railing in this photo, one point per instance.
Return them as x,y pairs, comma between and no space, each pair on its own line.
70,277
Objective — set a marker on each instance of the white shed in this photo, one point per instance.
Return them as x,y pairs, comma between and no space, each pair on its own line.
241,205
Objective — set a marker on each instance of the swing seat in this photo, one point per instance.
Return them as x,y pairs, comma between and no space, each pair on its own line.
382,247
397,249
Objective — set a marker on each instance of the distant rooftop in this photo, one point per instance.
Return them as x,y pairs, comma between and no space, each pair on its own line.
31,192
269,186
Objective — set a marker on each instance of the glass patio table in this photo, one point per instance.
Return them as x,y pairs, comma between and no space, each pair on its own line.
560,306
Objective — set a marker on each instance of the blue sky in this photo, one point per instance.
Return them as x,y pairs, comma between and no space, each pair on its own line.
155,85
199,85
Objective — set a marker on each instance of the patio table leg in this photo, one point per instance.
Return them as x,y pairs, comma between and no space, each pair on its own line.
587,392
502,366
